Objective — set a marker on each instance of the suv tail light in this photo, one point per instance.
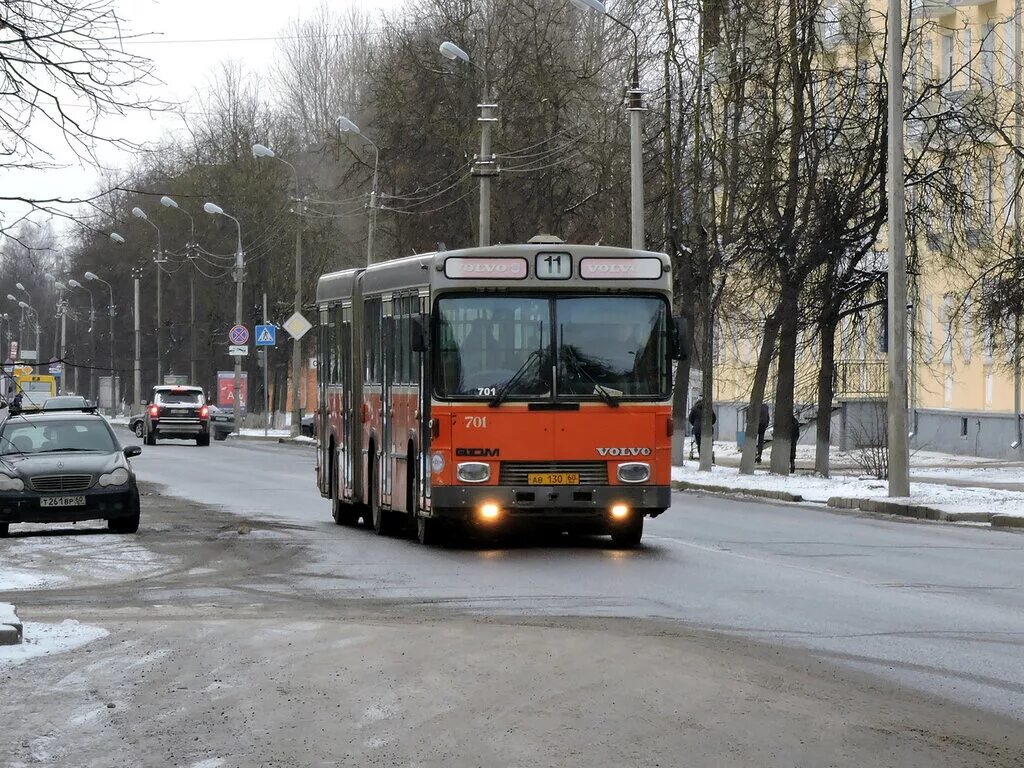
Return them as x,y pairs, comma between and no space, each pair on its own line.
154,410
204,412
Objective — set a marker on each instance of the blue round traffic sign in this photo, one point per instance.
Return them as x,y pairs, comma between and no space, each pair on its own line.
239,334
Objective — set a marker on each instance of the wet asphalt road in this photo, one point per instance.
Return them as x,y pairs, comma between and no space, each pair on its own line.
932,607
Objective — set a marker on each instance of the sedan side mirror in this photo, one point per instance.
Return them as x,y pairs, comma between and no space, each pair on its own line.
680,339
132,451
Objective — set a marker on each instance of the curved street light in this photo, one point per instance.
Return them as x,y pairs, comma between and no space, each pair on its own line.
215,210
258,151
190,248
159,260
98,279
72,283
485,167
347,126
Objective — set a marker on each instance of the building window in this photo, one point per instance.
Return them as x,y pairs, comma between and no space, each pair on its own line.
966,54
988,54
1009,186
830,29
946,62
989,192
968,350
963,426
988,388
949,386
929,61
929,319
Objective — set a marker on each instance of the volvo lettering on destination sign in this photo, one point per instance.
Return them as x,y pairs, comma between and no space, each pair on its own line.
620,269
482,268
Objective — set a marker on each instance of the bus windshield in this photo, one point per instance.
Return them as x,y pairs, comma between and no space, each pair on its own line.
606,346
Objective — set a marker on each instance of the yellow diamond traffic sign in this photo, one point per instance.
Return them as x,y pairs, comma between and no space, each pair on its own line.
297,326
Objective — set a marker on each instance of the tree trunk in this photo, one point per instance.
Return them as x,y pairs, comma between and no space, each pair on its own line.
789,323
679,397
707,435
764,363
826,390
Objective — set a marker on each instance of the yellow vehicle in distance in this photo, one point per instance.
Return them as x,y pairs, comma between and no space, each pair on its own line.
35,388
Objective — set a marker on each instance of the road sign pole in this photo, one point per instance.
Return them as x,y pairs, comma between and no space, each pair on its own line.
266,360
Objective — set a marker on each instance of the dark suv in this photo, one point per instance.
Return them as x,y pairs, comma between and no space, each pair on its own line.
177,412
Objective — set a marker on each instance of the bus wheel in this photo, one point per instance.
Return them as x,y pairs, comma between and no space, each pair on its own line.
429,532
381,519
628,536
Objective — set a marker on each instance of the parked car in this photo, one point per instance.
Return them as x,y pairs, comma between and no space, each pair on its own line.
177,412
308,426
61,466
222,421
137,424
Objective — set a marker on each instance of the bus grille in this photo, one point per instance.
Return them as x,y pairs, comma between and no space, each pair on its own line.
591,472
59,483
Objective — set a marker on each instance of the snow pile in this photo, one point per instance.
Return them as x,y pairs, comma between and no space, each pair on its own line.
947,498
48,639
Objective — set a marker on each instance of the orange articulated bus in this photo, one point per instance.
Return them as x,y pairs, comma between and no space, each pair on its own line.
499,385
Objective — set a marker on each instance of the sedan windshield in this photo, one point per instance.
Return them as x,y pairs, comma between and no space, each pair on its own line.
27,435
502,347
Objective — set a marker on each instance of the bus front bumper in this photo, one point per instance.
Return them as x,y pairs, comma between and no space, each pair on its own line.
548,502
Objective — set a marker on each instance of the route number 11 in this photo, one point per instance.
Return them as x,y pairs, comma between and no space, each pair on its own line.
553,266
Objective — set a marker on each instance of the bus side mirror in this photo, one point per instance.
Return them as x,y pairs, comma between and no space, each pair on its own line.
680,339
419,335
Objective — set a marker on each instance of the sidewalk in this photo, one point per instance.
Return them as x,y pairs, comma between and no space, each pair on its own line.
943,487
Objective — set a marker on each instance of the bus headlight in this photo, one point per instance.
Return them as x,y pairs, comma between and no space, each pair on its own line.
634,472
490,512
437,463
620,511
473,472
8,483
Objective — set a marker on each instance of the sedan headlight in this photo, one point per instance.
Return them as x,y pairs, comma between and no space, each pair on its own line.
8,483
473,472
634,472
118,477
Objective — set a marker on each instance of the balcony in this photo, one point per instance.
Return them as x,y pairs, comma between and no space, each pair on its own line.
933,9
861,379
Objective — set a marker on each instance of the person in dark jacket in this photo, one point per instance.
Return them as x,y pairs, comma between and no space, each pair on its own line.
16,403
696,419
762,427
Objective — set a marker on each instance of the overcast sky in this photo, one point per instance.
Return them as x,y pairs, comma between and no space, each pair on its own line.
186,39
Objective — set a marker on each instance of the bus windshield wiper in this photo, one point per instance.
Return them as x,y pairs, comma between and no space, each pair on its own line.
504,392
599,389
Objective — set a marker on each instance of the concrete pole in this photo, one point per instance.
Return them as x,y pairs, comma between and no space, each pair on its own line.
1018,114
899,444
114,391
159,321
298,382
266,361
239,276
193,375
636,162
63,344
92,350
371,219
138,350
485,166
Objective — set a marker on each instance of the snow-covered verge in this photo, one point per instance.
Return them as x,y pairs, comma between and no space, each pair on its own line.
947,498
56,557
48,639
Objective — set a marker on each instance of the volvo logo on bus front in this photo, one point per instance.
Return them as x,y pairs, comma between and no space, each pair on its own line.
624,451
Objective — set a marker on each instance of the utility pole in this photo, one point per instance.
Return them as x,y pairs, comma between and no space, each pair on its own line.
298,382
266,361
239,278
63,343
159,319
636,160
193,374
485,167
93,393
138,347
1018,114
898,442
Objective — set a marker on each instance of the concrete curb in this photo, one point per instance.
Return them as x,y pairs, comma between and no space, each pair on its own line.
886,507
11,628
1007,521
683,485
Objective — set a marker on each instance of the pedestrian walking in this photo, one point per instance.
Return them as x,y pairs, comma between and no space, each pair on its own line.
696,420
794,437
762,427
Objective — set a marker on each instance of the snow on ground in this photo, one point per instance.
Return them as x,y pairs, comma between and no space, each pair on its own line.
51,555
727,453
47,639
258,432
812,488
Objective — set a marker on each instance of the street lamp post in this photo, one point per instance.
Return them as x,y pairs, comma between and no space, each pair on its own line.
92,336
486,167
32,313
159,261
635,108
28,306
190,250
62,313
259,150
21,323
216,210
346,125
93,275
